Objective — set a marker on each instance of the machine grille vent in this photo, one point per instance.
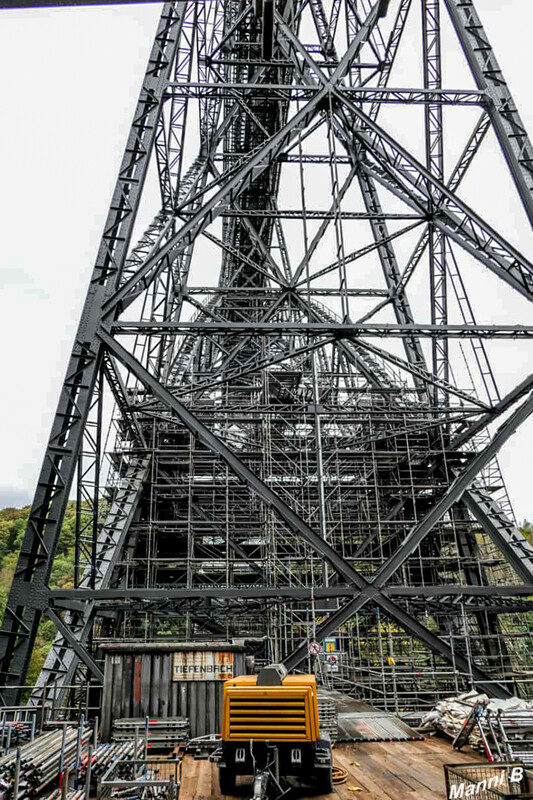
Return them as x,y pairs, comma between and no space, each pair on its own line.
252,716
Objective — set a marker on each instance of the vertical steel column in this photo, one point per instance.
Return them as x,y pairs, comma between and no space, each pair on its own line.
432,68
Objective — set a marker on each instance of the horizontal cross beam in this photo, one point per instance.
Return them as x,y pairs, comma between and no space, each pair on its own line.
103,596
296,92
341,329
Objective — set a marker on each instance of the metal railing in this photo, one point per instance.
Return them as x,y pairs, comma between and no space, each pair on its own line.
138,781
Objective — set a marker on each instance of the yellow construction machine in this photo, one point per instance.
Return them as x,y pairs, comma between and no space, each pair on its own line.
270,730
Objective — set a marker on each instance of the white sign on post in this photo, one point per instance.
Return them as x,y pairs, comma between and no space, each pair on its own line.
332,663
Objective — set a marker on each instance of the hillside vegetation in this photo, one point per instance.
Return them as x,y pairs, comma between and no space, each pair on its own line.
12,526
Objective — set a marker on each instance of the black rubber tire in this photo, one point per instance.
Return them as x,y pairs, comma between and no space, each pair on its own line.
227,781
324,781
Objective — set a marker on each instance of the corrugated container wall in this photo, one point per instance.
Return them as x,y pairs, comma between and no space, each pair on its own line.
168,680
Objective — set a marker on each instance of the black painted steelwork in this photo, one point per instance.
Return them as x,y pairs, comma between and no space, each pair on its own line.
290,460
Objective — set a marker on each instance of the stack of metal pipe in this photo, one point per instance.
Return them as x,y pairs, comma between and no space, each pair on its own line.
14,732
107,754
72,794
41,761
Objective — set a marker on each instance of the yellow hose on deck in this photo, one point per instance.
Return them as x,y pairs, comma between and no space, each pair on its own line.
339,775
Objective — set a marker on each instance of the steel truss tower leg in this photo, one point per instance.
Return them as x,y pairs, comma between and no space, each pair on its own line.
21,619
505,117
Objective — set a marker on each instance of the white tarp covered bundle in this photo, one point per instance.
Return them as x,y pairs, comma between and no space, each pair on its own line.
449,715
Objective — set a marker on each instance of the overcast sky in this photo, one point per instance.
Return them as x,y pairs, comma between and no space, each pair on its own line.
69,82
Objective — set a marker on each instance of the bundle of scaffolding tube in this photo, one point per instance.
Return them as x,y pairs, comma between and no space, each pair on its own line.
107,754
14,732
101,759
53,756
72,794
41,762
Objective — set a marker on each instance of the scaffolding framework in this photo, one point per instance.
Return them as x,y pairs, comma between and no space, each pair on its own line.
306,419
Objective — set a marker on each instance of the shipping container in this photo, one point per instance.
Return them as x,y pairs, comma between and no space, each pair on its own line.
168,679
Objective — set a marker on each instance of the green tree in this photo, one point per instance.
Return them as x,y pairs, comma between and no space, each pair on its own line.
12,526
526,529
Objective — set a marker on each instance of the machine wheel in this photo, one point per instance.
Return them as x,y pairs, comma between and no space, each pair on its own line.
324,781
226,781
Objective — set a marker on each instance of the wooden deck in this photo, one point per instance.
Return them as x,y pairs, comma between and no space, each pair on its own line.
376,771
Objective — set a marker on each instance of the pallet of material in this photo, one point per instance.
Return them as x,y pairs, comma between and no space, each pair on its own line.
169,731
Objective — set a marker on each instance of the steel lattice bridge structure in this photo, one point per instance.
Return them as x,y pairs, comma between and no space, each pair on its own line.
284,316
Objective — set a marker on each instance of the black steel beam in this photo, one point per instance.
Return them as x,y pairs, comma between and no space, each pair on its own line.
508,126
78,648
472,429
103,596
340,329
512,544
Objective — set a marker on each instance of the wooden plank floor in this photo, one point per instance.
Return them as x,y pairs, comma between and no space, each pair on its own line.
380,770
